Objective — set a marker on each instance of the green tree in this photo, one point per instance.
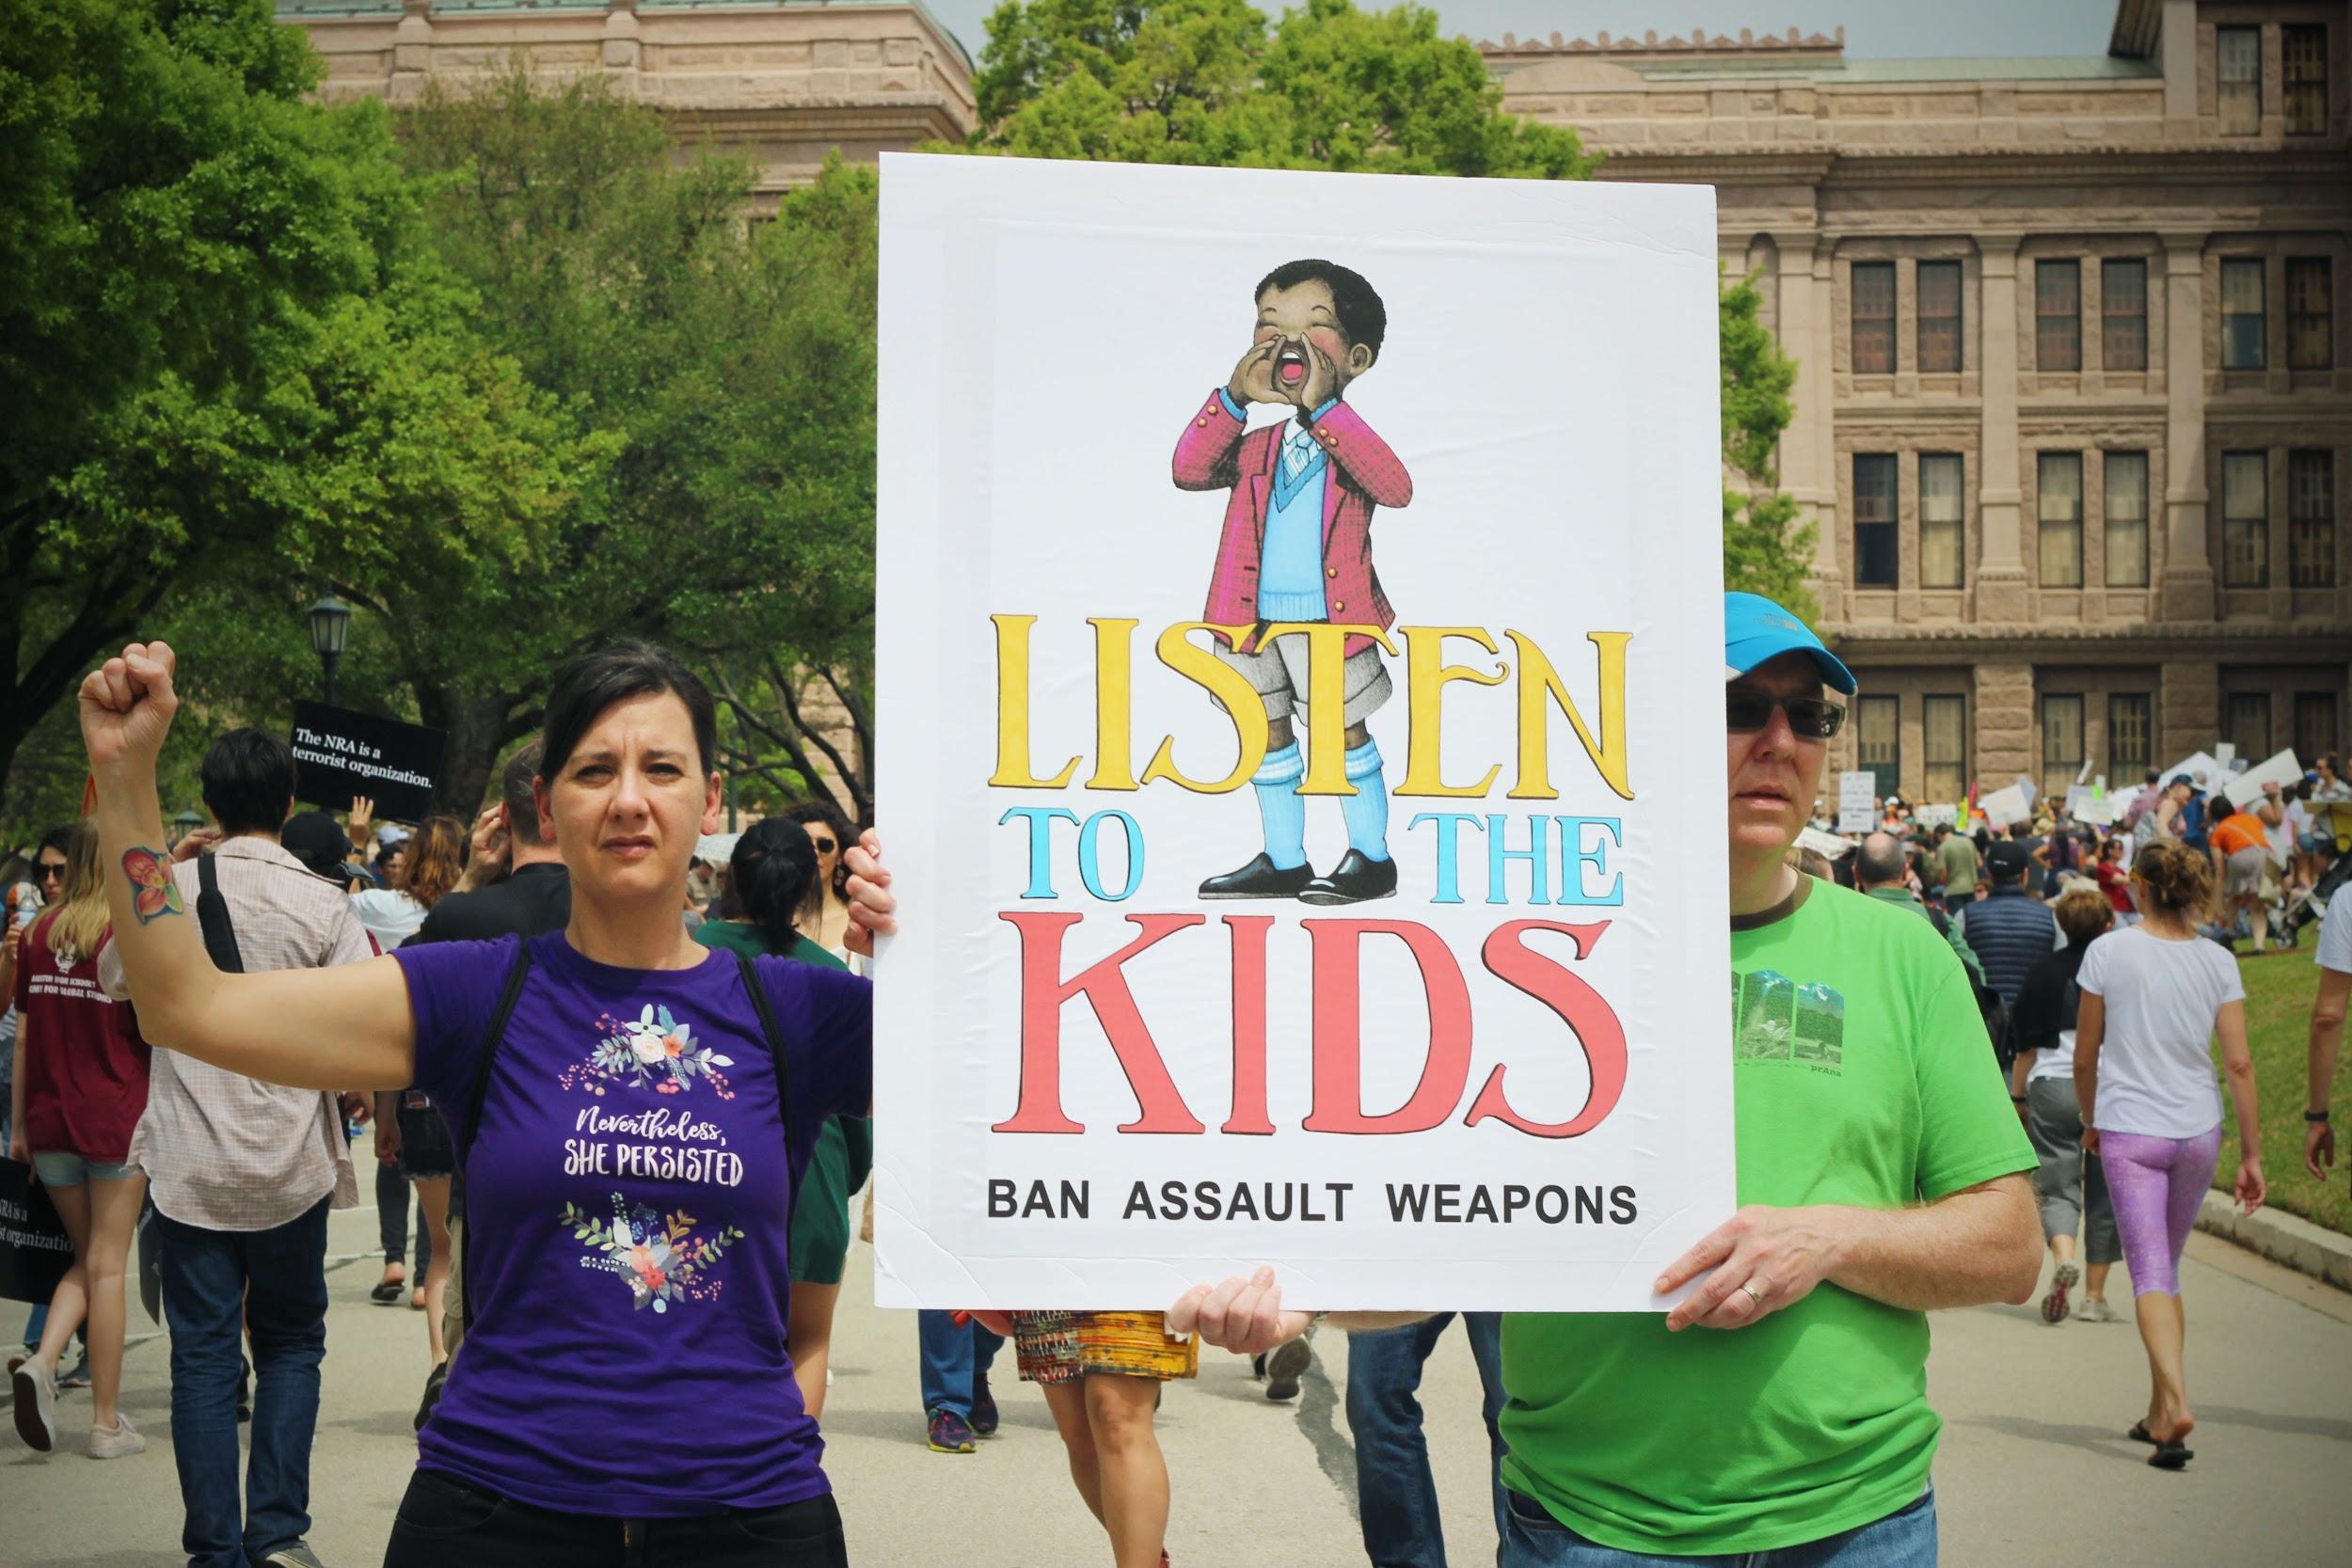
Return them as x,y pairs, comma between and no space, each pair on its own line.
1330,87
1764,550
234,372
726,367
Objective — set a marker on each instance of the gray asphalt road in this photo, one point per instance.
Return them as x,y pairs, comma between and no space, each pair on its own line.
2034,1467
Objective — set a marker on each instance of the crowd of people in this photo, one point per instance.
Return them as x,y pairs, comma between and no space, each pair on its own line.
589,955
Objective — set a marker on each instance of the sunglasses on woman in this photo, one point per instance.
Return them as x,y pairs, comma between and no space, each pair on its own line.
1809,717
824,846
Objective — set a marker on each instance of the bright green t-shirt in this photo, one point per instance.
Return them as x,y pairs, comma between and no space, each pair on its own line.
1862,1076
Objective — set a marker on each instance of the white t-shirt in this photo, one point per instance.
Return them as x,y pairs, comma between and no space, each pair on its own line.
391,916
2057,1061
2155,1064
2335,935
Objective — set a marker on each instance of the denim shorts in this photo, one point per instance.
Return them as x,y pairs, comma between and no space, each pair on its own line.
71,1170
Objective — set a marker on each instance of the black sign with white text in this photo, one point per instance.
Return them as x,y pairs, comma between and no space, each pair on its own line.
338,754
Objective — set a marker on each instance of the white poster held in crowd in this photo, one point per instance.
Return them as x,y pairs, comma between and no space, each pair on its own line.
1934,816
1828,845
2005,806
1857,801
2199,766
1389,955
2247,787
2086,804
2223,755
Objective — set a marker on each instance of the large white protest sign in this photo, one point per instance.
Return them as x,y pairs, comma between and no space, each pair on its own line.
1857,801
1393,956
2005,806
2281,770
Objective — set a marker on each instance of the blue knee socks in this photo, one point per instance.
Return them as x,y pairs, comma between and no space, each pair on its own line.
1284,812
1367,810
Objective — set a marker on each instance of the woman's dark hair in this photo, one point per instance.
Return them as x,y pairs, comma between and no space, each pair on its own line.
248,780
771,870
824,811
59,838
591,683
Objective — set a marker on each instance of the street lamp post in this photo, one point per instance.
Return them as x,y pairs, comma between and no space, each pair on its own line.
330,626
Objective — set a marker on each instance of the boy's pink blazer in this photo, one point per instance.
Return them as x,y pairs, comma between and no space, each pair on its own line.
1213,453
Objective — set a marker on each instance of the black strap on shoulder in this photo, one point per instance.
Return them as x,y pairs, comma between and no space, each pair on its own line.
766,1009
463,1143
212,914
491,1039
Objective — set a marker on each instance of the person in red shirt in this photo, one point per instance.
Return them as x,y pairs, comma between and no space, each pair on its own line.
80,1086
2114,875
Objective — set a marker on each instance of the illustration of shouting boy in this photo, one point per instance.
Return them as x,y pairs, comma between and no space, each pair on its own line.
1297,548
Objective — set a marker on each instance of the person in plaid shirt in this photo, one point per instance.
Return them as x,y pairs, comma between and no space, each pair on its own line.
242,1174
1296,547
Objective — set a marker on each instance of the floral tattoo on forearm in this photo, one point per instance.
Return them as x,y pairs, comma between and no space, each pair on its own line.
153,892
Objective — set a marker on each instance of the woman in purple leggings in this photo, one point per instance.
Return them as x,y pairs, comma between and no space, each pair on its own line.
2152,996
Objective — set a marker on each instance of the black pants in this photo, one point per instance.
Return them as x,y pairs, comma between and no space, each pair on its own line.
444,1522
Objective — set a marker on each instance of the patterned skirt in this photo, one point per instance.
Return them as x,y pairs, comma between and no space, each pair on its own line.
1055,1347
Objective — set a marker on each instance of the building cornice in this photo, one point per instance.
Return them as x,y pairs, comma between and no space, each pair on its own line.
2154,642
2115,164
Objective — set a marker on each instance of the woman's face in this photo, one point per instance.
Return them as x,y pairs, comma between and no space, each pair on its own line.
821,839
631,799
49,872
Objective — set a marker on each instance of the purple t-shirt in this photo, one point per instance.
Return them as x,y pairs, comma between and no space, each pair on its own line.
626,1205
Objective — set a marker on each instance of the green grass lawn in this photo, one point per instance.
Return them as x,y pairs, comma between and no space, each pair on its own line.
2279,991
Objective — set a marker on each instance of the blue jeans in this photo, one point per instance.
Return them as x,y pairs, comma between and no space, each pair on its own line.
1905,1539
954,1359
209,1306
1396,1496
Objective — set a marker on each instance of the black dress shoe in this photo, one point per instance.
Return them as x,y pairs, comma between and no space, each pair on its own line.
1352,882
1260,879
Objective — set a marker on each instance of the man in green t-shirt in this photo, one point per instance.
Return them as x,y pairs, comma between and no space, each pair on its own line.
1956,859
1880,1176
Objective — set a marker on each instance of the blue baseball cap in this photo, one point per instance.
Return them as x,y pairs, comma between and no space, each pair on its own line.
1756,630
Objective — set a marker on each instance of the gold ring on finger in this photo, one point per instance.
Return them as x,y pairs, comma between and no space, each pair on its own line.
1755,1295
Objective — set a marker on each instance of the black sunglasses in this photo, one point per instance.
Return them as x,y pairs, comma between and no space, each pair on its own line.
1809,717
45,869
824,846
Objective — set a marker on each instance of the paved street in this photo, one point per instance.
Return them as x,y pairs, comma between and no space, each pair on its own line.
2034,1465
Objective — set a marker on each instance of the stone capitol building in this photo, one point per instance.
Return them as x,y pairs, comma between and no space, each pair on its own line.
2074,413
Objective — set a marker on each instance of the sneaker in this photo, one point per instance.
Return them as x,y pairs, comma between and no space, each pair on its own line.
951,1433
35,1393
1283,1366
983,1408
115,1442
2054,1304
77,1375
299,1555
2095,1309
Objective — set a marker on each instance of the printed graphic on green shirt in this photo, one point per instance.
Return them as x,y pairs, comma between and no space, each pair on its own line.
1780,1019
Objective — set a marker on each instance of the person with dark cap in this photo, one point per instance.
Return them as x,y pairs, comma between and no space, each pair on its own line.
2009,931
1799,1432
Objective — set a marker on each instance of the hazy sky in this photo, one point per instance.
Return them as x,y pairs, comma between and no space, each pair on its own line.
1875,29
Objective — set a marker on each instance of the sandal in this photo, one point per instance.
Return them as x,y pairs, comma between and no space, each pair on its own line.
2172,1455
386,1291
2139,1432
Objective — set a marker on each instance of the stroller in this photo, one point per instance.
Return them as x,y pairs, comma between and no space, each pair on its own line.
2308,906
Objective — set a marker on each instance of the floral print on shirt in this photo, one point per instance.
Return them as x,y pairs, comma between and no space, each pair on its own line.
652,1050
661,1260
